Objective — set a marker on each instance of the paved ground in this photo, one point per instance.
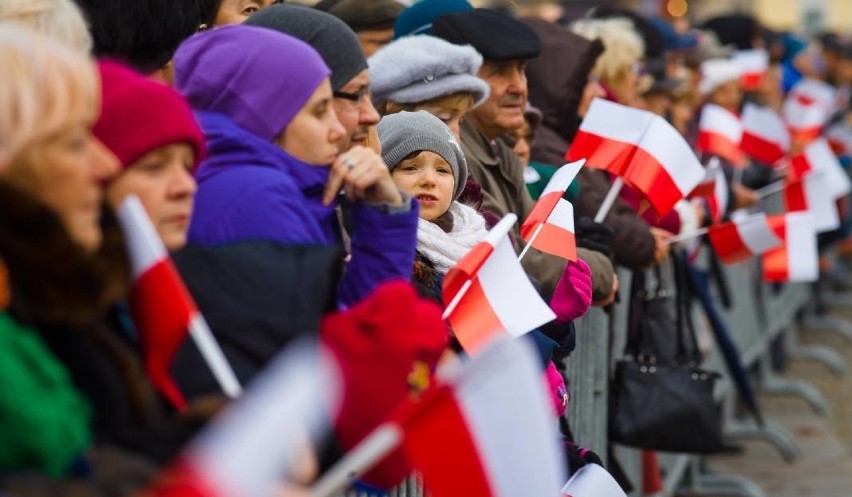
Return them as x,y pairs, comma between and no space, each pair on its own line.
825,466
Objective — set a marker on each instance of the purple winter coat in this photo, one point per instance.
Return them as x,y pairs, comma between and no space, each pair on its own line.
251,190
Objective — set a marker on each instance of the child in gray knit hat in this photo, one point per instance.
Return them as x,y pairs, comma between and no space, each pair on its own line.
427,163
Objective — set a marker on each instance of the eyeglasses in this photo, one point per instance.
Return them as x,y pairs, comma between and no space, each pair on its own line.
352,97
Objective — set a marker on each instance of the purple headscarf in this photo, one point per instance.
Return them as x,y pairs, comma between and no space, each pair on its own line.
257,77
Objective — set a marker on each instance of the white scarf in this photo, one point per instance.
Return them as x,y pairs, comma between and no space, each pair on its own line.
445,249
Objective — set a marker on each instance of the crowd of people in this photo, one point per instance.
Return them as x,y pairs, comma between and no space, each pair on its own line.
300,161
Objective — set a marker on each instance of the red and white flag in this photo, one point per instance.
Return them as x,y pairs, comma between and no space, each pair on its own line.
753,65
488,292
642,148
797,259
840,138
818,157
811,193
162,309
486,430
592,481
708,185
717,204
550,224
263,439
765,136
808,107
720,133
739,240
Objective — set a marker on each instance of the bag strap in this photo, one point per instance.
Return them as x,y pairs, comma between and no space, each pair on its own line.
688,352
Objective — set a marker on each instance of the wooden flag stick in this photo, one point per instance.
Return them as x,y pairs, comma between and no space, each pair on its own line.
214,357
355,463
530,243
614,190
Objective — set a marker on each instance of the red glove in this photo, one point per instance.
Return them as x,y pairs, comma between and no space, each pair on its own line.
573,294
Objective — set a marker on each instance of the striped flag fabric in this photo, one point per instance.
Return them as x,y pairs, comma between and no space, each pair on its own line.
818,157
640,147
160,304
811,193
765,136
808,107
708,185
739,240
797,260
720,133
486,430
550,224
263,439
753,65
592,481
488,292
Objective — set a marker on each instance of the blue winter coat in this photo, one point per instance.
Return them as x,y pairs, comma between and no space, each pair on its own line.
251,190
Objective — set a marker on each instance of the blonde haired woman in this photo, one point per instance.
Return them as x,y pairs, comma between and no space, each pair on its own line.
618,67
51,175
58,19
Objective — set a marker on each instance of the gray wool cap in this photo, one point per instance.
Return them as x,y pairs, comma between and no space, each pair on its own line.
336,43
404,133
414,69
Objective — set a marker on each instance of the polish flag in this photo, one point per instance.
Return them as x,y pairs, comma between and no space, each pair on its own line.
810,193
720,133
489,293
550,224
797,259
486,430
262,440
818,157
765,136
739,240
640,147
592,481
162,308
808,107
753,65
708,185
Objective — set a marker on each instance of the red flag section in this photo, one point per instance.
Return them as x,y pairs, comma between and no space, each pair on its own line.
462,446
550,225
488,293
720,133
642,148
765,136
161,307
739,240
797,259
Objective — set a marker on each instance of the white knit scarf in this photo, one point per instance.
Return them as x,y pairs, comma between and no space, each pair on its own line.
445,249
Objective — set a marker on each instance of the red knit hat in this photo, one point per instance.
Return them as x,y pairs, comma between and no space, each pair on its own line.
387,346
139,115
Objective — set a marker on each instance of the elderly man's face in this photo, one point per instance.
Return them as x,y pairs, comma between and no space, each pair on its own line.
355,110
503,112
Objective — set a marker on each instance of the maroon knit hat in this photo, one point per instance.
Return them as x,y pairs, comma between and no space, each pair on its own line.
139,115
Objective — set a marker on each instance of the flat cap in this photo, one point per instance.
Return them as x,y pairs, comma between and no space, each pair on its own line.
363,15
495,35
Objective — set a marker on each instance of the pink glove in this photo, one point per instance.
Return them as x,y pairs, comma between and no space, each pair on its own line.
556,386
573,294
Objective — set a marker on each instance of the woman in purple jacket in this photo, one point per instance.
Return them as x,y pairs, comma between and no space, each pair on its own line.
267,195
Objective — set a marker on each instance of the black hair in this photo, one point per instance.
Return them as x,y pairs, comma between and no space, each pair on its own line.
142,33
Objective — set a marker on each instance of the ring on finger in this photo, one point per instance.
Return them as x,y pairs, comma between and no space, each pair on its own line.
348,164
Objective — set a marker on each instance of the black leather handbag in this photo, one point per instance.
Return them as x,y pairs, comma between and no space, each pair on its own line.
659,398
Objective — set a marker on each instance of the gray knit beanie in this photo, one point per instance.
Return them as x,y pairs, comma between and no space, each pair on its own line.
332,38
414,69
404,133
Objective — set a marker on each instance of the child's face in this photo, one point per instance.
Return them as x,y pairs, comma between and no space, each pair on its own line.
428,178
162,179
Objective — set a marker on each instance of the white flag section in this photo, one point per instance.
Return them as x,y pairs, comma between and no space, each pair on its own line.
261,439
592,481
489,430
821,160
